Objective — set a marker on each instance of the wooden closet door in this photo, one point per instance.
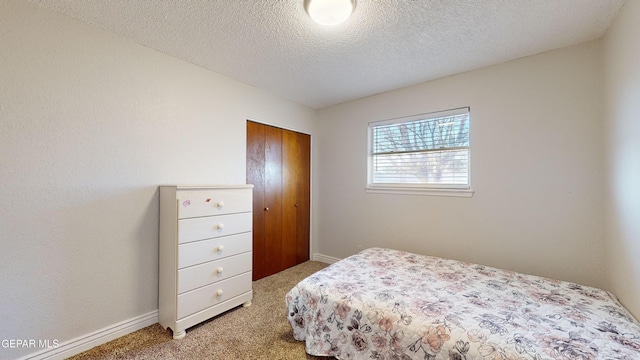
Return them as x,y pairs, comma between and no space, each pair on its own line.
256,164
278,165
303,208
295,197
272,207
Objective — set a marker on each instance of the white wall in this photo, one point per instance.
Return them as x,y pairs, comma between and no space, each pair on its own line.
536,170
90,125
622,156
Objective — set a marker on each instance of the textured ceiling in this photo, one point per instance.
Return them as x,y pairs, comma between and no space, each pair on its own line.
385,45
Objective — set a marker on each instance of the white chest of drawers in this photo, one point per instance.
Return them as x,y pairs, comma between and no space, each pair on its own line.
205,253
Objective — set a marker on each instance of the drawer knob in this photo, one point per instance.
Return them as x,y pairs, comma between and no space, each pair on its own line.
219,226
220,204
219,293
220,248
219,270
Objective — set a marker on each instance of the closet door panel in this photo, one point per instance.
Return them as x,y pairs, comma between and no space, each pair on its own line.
273,200
256,176
291,159
303,208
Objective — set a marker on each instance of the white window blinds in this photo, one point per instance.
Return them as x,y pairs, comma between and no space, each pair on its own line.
430,150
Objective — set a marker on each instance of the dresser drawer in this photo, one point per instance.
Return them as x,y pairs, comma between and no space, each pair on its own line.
210,295
207,202
199,252
207,273
213,226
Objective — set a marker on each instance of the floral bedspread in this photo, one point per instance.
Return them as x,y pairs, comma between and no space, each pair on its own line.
388,304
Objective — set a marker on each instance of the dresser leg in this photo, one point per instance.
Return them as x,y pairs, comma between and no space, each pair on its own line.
180,335
247,304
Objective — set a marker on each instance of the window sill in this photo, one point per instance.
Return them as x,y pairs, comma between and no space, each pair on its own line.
421,191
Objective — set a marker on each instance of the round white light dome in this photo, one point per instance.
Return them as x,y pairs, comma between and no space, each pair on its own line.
330,12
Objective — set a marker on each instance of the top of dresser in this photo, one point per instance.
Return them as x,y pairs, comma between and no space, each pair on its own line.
197,187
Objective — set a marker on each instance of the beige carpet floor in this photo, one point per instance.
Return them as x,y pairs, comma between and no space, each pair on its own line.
260,331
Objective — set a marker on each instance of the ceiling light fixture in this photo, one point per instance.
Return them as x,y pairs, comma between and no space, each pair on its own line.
329,12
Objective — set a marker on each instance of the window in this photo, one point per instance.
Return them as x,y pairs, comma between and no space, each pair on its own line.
425,153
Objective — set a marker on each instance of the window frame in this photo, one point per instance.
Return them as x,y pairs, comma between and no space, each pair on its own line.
462,190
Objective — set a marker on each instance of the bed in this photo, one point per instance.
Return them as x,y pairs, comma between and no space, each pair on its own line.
389,304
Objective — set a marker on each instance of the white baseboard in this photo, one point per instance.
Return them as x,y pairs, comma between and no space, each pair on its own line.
324,258
83,343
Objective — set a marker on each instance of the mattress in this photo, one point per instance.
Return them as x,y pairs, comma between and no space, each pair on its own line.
389,304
